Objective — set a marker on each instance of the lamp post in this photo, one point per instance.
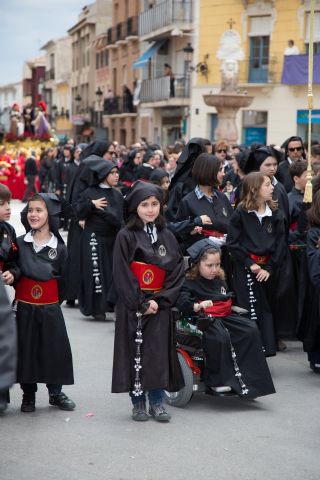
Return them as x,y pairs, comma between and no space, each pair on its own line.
78,100
99,96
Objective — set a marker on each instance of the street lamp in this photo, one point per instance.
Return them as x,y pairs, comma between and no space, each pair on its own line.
78,101
99,95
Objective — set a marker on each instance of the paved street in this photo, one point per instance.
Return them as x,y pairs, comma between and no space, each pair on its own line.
217,438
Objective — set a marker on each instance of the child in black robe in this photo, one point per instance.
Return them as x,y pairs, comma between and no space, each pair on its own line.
256,240
101,208
44,353
148,273
206,200
310,329
234,358
8,257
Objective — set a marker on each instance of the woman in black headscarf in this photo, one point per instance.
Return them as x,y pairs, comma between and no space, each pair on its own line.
182,182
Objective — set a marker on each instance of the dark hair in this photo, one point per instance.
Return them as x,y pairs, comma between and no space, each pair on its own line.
205,170
250,190
37,198
314,212
135,223
193,273
297,168
315,150
5,194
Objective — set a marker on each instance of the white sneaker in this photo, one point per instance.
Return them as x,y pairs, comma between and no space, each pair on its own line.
223,389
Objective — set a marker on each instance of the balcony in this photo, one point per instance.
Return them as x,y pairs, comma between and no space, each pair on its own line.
50,74
164,17
295,70
118,106
122,31
165,89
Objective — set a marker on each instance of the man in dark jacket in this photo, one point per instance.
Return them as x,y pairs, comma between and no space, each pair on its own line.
30,172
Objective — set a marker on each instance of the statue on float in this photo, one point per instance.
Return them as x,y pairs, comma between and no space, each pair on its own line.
41,125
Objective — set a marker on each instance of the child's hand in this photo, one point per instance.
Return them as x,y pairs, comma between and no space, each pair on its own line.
206,220
255,268
7,278
82,223
206,304
196,230
153,308
262,275
100,203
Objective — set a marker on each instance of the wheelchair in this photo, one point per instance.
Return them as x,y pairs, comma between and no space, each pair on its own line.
192,359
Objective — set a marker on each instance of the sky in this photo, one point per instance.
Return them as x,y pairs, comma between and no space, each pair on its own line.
26,25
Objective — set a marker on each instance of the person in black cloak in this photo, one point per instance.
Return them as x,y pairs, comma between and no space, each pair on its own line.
309,331
101,207
239,167
265,159
293,150
182,182
44,353
234,358
257,243
129,170
207,203
83,178
148,273
8,348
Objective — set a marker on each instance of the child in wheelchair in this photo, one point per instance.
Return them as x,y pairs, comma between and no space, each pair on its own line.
234,358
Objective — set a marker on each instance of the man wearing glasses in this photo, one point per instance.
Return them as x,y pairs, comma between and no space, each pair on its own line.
293,150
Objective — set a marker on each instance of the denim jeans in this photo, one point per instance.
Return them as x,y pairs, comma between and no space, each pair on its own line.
155,397
53,389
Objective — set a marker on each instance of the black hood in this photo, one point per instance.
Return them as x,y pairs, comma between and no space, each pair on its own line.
139,192
258,156
191,151
95,148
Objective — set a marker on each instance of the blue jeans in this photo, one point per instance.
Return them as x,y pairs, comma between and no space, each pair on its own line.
53,389
155,397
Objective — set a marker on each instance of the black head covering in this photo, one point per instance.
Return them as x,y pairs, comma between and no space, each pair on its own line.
242,158
95,148
258,156
101,168
197,249
191,151
56,208
158,174
139,192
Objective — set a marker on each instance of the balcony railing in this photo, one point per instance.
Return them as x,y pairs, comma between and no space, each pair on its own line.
166,13
49,74
123,30
118,105
164,88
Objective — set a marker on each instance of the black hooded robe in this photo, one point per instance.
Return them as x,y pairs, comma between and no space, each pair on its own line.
160,365
222,332
96,250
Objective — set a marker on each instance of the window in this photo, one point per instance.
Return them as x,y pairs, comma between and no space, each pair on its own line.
316,33
259,48
97,61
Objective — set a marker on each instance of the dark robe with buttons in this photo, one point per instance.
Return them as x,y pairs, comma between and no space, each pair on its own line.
247,235
160,365
8,344
225,337
97,242
44,353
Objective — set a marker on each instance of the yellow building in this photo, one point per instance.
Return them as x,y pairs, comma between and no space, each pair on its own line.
278,82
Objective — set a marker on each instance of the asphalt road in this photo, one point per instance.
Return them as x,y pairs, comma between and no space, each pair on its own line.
276,437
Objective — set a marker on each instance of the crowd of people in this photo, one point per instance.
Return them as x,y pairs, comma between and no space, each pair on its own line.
135,217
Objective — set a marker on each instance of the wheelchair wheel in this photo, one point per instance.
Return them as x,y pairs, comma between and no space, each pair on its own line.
183,396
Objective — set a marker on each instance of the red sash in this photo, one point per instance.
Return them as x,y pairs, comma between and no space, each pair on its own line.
259,259
36,292
149,276
212,233
293,226
220,309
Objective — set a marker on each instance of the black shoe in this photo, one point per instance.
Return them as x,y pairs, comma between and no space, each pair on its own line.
159,413
100,317
28,404
71,303
139,412
61,401
3,401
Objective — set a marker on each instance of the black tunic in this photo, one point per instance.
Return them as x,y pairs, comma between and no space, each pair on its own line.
8,249
44,353
8,343
97,241
160,365
217,339
247,235
219,211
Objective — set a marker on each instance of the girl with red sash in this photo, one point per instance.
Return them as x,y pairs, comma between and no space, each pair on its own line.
44,353
257,242
148,273
234,358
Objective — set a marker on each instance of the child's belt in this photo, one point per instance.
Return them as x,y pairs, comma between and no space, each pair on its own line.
36,292
150,277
